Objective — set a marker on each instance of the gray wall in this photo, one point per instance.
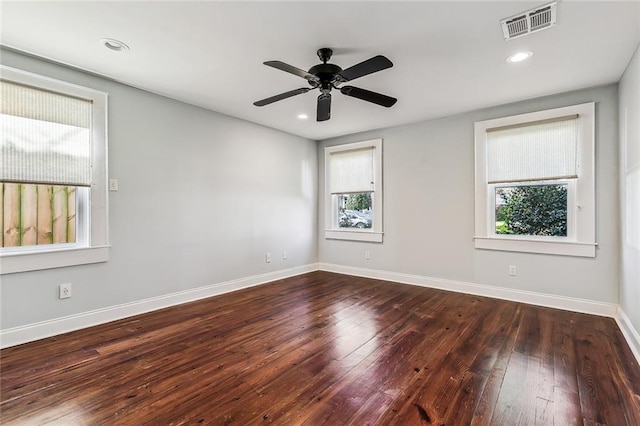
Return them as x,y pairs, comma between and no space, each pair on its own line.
428,172
630,190
202,198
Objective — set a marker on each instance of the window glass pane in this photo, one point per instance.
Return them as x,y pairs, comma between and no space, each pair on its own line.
355,210
37,214
531,210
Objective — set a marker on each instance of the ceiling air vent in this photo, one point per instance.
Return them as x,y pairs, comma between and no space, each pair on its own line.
528,22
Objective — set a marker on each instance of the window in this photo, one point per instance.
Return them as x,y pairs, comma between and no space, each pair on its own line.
53,208
353,191
535,187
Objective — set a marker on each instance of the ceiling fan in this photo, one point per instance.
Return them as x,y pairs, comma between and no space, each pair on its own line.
326,76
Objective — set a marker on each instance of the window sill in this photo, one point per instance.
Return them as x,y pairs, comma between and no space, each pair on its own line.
563,248
11,263
366,236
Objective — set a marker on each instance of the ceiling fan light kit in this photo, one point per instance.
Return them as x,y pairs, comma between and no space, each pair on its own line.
326,77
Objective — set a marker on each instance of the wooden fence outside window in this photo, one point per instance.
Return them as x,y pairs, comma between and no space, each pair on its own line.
34,214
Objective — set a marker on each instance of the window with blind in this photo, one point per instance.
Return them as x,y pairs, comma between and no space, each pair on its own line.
353,195
52,172
534,182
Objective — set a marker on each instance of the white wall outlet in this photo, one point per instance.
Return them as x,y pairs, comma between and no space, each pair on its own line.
113,184
284,255
513,271
65,290
367,255
267,257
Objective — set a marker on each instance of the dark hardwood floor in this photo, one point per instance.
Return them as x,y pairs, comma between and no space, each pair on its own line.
324,348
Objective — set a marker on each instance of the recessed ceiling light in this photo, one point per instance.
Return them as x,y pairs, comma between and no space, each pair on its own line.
303,116
114,44
519,57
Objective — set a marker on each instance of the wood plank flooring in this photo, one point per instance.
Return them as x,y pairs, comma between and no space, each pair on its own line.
324,348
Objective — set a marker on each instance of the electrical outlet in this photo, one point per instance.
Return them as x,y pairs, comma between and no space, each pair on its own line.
513,271
284,255
65,290
367,255
267,258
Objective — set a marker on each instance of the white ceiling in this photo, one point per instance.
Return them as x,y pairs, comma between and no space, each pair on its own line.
449,57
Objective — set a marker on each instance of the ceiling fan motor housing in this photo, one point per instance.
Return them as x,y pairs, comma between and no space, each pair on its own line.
326,73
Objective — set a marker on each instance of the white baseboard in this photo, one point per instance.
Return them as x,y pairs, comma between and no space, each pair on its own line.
530,297
630,333
40,330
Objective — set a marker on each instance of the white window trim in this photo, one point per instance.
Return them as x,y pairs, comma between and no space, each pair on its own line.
96,247
580,240
373,235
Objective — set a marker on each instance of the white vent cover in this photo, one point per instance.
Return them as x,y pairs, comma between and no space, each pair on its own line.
530,21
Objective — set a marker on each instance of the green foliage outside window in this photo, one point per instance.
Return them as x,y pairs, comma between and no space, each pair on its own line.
358,202
532,210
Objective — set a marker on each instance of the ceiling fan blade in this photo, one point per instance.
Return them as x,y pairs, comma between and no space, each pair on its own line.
282,96
375,64
324,107
291,69
369,96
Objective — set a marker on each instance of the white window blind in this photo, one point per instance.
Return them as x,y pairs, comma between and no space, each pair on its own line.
351,171
543,150
45,137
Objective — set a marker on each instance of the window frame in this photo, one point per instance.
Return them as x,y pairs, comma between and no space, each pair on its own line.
332,231
93,247
580,239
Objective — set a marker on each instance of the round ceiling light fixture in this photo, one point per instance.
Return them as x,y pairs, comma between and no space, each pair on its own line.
115,45
303,116
519,57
